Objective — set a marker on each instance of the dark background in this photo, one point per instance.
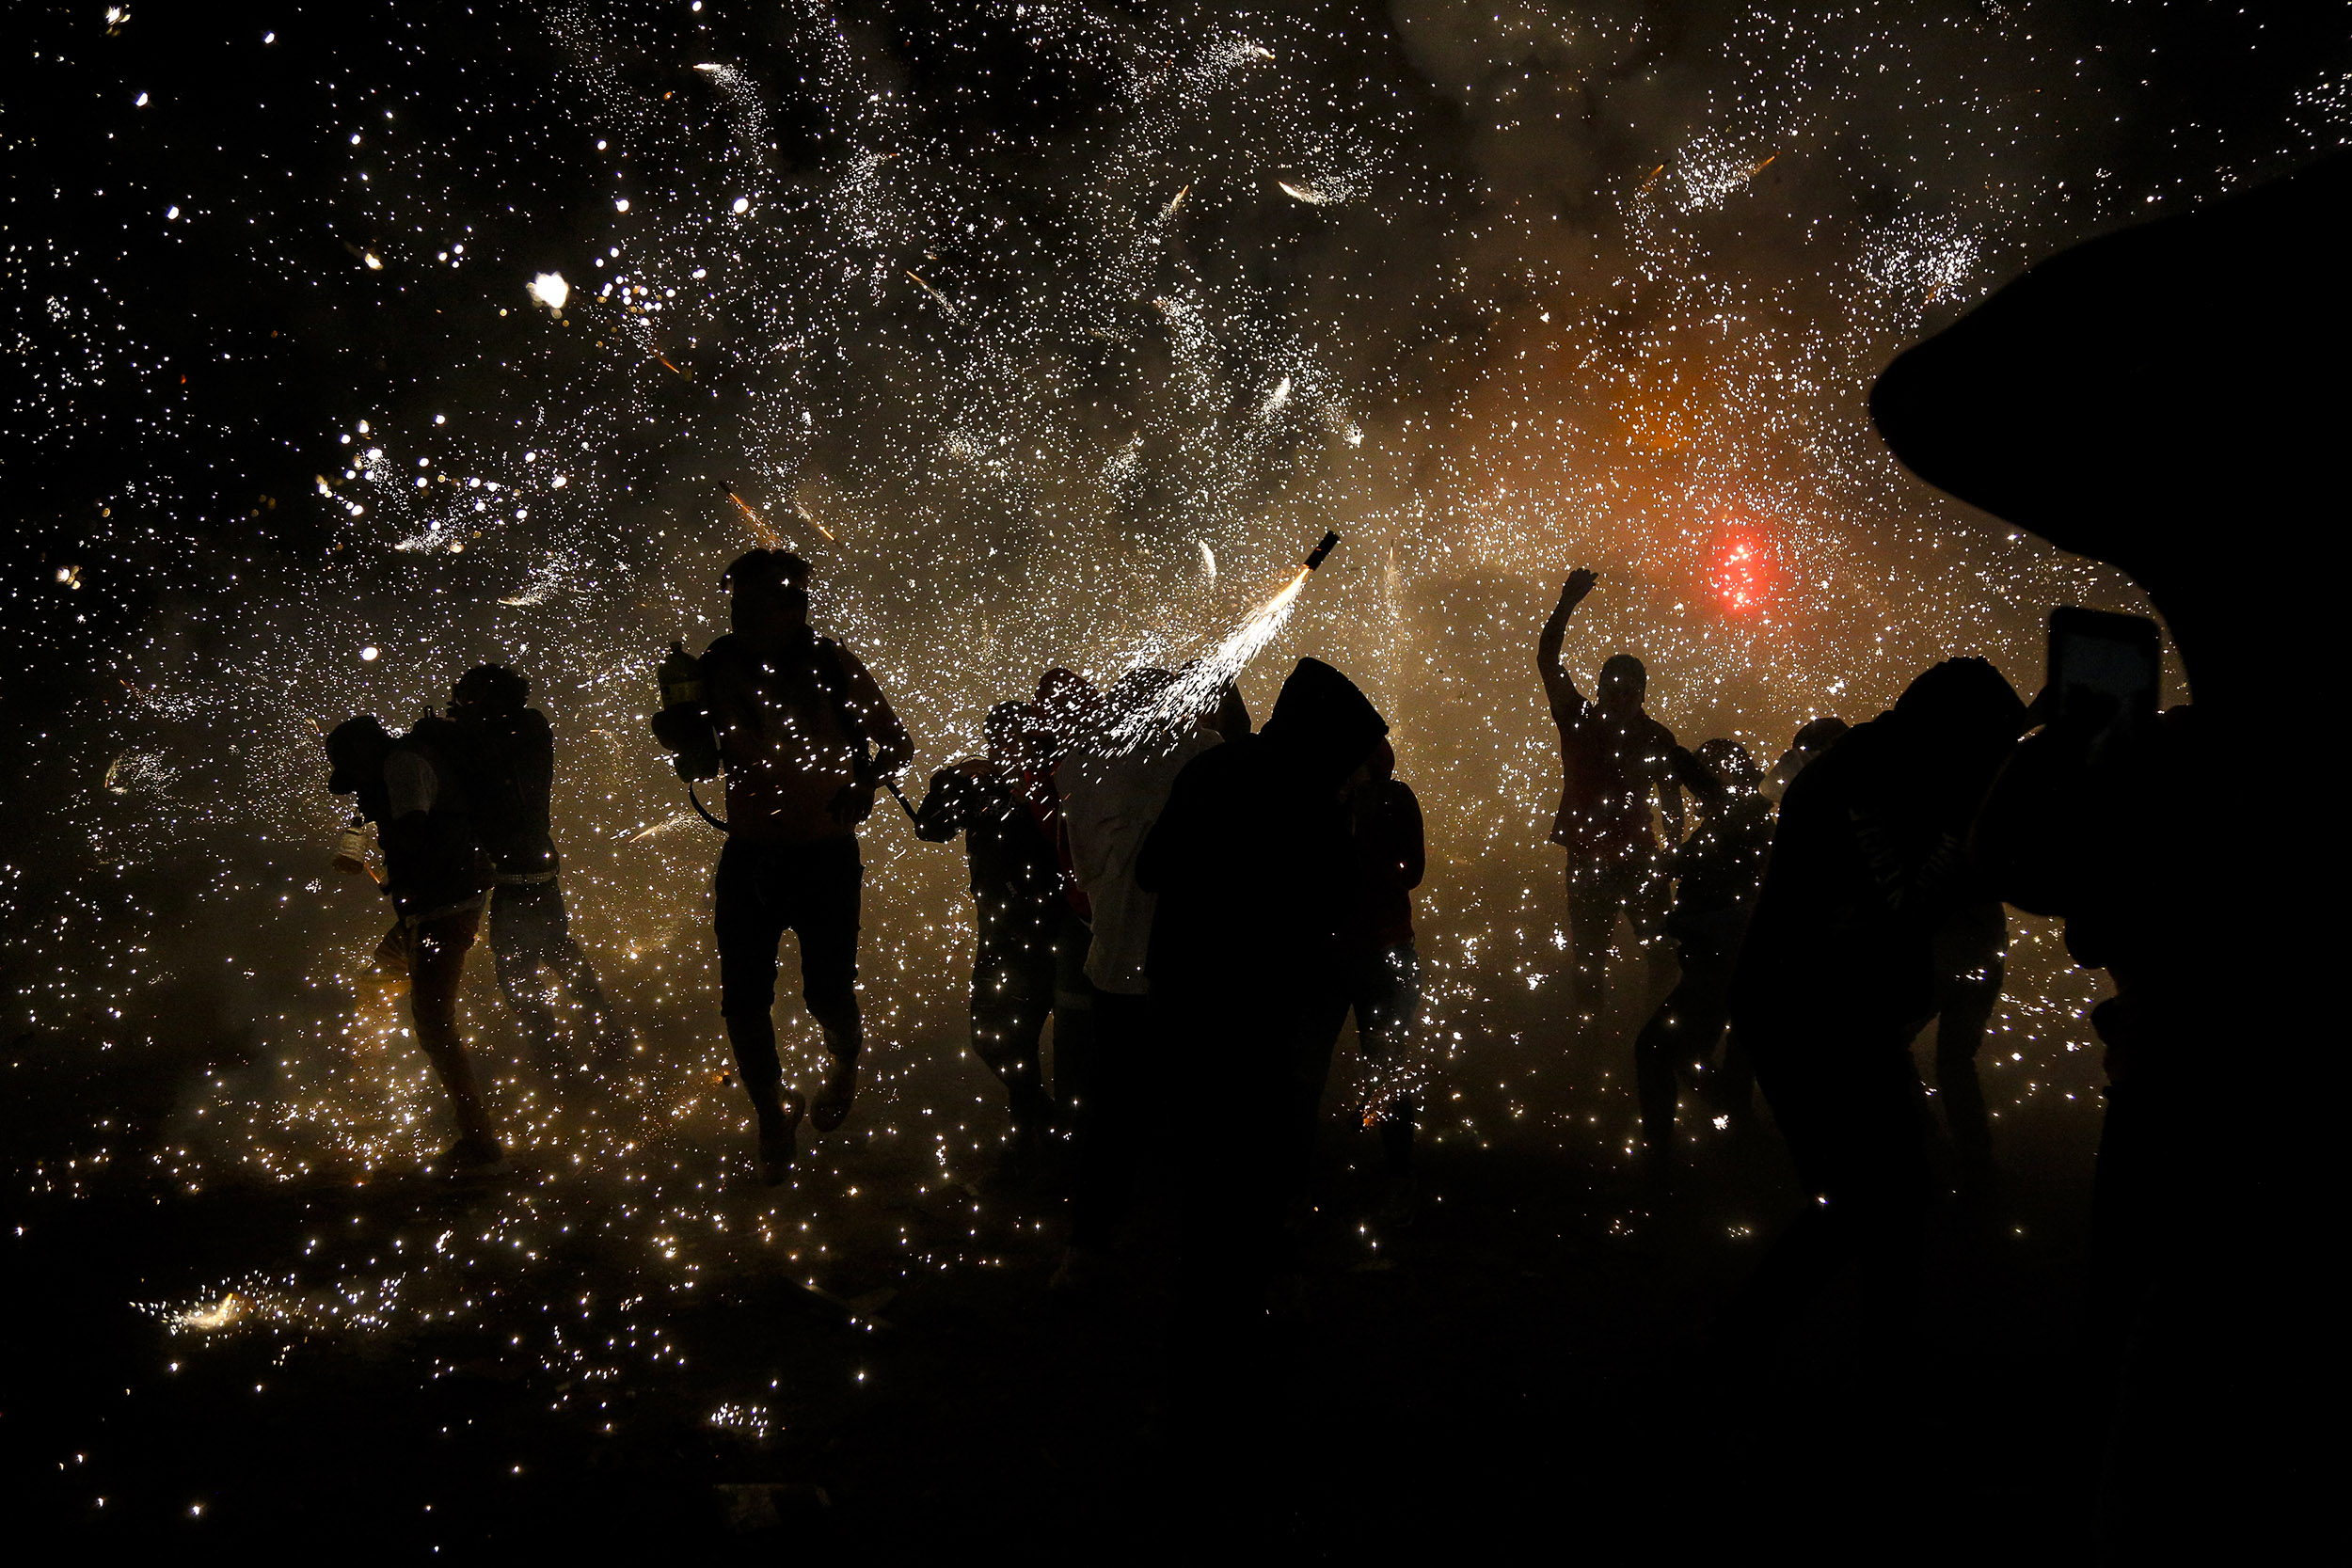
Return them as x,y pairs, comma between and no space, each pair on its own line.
1528,1373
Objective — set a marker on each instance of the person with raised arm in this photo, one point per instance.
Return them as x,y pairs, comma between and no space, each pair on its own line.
1613,757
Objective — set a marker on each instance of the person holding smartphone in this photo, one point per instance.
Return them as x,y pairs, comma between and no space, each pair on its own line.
1837,973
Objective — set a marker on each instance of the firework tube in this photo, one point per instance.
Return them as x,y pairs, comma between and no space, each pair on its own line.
1314,557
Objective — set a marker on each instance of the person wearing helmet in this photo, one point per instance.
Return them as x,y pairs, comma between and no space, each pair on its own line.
806,740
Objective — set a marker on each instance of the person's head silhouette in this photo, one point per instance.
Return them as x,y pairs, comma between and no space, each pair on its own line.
1624,684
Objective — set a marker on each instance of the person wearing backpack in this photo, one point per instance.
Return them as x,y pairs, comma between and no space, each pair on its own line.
510,755
437,877
805,738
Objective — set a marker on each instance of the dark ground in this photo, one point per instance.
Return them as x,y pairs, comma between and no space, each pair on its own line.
1522,1367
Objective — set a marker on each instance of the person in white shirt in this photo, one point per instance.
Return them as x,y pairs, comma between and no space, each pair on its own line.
1113,784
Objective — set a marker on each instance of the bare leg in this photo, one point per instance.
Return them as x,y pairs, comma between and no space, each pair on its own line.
455,1071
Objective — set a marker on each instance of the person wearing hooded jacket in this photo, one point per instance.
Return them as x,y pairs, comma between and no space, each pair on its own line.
1838,974
437,876
1256,874
2164,398
1814,736
1113,784
1378,976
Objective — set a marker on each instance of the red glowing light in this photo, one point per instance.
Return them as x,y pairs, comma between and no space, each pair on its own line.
1743,573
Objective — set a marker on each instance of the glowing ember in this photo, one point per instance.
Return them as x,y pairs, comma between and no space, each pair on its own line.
230,1309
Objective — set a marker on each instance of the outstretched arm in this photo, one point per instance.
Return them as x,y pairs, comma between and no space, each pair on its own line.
1559,691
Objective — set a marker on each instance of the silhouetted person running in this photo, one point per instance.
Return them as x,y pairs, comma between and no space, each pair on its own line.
1378,970
1113,784
1838,974
1256,877
1017,895
511,751
795,714
436,874
1717,872
1614,755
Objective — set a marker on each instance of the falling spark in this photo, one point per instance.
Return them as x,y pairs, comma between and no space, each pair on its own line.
804,514
946,304
551,290
350,1099
769,538
647,832
542,584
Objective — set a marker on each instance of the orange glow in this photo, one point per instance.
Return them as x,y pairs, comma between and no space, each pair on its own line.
1743,572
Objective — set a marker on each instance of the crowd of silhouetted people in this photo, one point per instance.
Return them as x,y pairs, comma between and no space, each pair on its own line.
1198,904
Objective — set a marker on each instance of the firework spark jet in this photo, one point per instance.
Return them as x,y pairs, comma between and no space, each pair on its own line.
1197,684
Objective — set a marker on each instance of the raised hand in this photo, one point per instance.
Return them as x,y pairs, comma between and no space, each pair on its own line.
1580,584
